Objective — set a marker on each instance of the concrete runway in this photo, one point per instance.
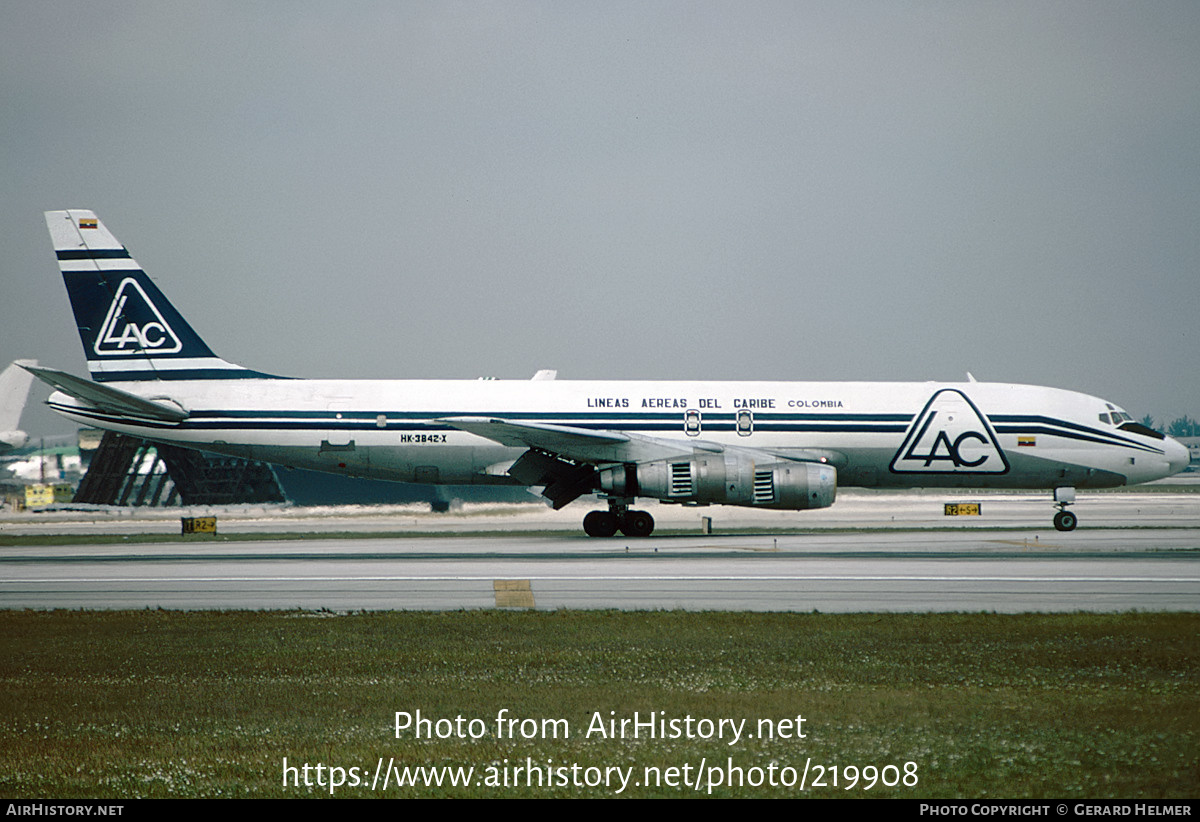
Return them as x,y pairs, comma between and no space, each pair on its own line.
1000,571
951,564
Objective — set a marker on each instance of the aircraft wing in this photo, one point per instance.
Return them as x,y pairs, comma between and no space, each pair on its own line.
106,398
601,446
579,444
564,458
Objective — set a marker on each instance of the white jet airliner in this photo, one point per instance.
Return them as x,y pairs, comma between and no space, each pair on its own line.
784,445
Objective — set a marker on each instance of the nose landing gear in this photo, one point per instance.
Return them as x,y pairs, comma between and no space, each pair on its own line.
1064,520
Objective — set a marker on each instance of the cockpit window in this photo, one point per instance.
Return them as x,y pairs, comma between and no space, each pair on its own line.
1138,428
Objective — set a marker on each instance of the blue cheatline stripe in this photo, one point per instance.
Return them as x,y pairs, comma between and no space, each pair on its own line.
94,254
168,375
671,423
668,422
905,418
1037,418
1117,442
672,428
829,427
1036,424
545,416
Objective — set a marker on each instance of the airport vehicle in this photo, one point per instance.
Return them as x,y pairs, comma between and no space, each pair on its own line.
786,445
14,389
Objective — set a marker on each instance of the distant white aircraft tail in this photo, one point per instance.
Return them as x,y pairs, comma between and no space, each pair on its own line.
129,330
14,390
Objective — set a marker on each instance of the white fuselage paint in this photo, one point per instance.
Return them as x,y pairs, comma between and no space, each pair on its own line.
876,434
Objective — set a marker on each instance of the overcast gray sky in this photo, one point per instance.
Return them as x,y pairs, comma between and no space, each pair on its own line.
675,190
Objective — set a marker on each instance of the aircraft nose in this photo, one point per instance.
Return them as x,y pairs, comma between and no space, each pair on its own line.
1177,455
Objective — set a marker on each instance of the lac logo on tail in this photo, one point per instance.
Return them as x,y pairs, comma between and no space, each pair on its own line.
134,326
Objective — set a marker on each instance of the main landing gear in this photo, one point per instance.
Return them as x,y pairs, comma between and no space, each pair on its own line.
618,517
1064,520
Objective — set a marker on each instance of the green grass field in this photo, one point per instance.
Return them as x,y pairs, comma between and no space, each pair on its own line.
167,704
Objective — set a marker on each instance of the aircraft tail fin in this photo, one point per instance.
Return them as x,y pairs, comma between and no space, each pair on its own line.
14,389
129,329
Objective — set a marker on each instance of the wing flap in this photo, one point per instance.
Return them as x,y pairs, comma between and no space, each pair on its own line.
562,481
580,444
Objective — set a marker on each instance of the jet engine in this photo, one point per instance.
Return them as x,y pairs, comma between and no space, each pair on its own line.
726,479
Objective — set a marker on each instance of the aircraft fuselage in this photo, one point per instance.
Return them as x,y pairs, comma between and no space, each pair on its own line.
988,435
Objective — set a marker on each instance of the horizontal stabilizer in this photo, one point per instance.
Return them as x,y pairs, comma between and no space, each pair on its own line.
107,398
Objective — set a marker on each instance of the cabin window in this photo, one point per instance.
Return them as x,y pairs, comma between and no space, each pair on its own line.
745,422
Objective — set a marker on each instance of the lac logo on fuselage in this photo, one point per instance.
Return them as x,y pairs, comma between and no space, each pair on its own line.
950,436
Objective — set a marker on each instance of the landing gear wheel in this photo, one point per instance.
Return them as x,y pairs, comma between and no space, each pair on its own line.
637,524
1065,521
600,523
